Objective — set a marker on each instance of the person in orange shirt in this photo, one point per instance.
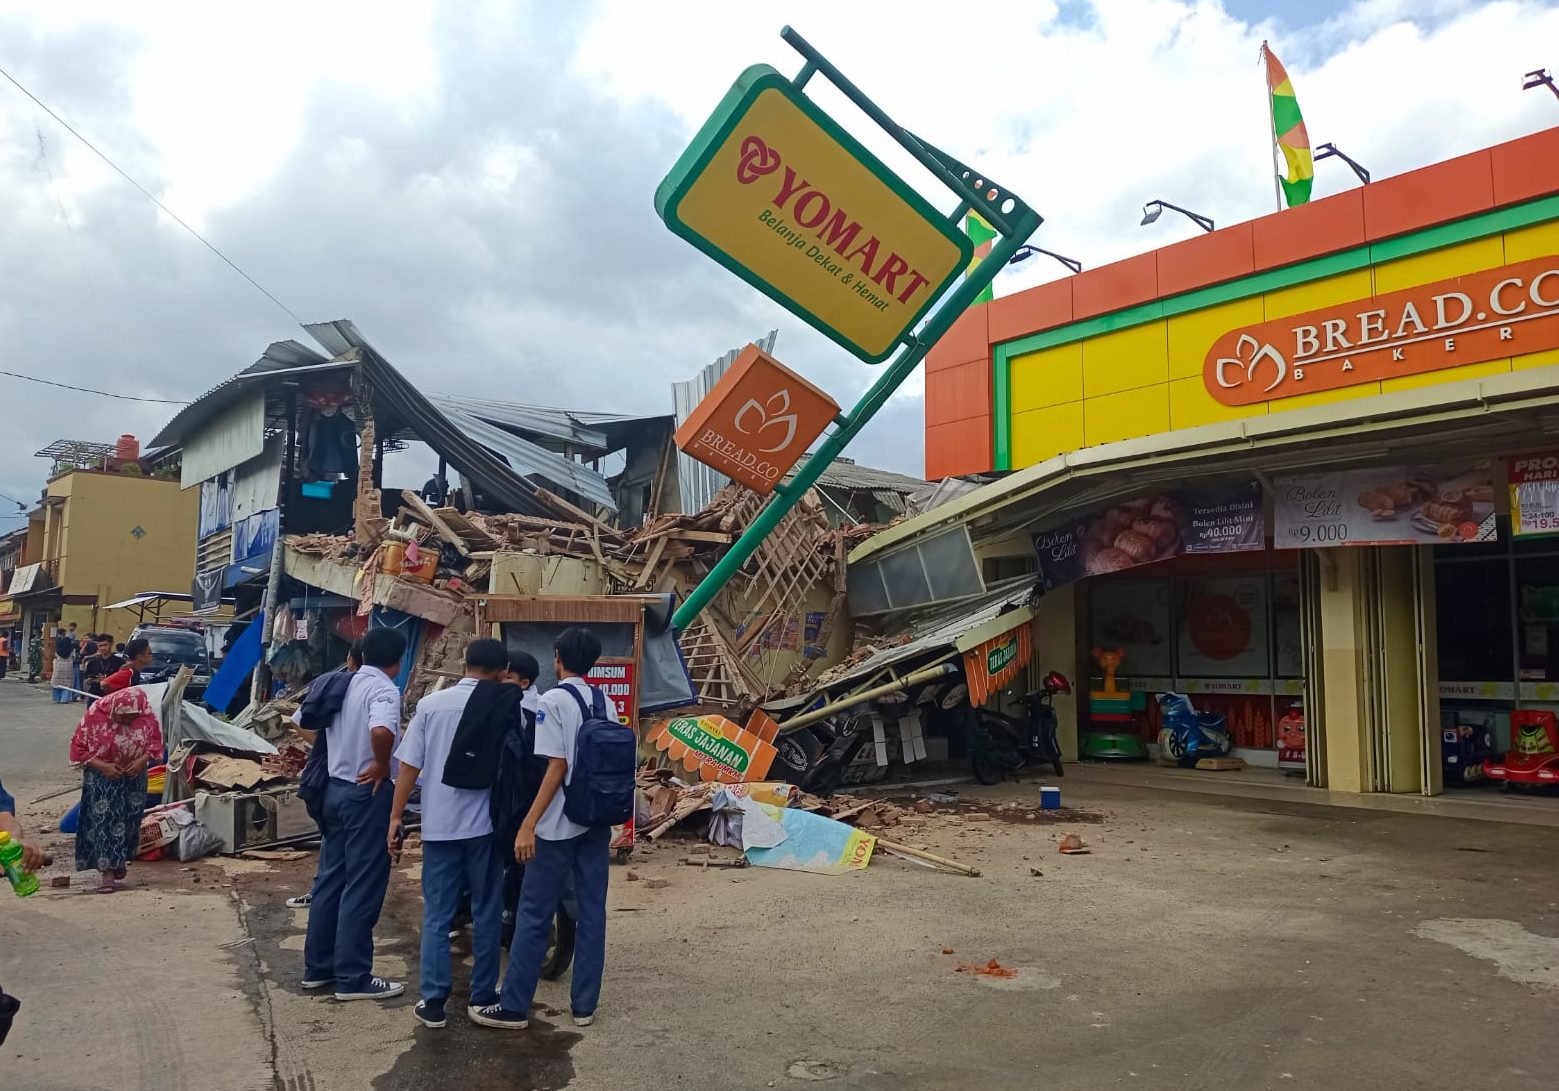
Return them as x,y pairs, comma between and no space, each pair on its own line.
5,654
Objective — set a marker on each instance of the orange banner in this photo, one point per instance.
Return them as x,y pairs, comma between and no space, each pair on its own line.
997,661
1508,311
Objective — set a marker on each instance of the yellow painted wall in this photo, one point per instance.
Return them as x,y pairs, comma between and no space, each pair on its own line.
1148,379
98,553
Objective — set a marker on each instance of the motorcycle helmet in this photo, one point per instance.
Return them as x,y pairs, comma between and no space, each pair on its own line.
1056,682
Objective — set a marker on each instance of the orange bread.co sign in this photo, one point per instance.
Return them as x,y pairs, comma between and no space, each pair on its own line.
756,422
773,189
1507,311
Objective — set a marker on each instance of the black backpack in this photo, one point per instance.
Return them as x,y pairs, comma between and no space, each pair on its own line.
518,778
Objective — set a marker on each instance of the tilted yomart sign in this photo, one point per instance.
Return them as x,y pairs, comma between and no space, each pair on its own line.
773,189
1482,316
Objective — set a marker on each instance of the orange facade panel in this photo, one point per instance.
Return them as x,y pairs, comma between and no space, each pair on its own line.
1451,190
1042,307
1115,286
961,447
1527,168
1309,231
1210,258
958,393
968,339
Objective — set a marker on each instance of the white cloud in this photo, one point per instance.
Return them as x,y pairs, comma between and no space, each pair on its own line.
473,182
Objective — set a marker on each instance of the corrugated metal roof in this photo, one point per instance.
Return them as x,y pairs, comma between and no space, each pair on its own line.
526,457
280,356
557,423
844,474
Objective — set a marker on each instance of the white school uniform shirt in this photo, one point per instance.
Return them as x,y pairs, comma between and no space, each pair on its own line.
557,734
371,701
448,814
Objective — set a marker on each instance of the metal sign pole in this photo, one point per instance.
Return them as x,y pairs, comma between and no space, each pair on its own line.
1001,209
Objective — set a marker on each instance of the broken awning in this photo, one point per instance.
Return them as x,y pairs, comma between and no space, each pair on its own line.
946,629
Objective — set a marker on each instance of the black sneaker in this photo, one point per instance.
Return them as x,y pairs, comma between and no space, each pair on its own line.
376,989
494,1015
430,1013
302,901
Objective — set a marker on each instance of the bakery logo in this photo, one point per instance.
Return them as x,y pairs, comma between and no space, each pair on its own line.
1508,311
754,419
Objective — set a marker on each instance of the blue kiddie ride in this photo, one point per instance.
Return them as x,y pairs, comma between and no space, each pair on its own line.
1185,736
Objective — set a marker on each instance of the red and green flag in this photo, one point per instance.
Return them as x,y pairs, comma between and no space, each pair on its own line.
1288,128
982,235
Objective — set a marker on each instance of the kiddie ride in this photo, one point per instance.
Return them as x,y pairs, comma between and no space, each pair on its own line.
1533,758
1186,736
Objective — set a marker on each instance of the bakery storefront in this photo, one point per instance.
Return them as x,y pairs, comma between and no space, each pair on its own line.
1303,469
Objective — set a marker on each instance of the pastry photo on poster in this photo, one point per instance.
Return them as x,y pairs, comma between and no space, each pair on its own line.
1424,505
1155,527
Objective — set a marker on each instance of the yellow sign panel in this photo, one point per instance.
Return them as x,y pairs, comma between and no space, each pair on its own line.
775,191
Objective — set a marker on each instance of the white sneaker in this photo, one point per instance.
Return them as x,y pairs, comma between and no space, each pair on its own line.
312,984
584,1020
376,989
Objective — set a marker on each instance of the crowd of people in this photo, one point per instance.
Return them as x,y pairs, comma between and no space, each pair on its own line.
488,760
493,761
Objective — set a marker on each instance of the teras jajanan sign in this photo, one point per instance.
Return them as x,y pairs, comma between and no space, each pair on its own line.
773,189
1508,311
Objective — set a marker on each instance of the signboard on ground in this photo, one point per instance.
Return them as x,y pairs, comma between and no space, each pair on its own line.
1508,311
1434,505
714,747
756,421
1224,519
773,189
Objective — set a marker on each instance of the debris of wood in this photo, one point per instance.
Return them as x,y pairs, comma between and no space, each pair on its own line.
929,857
60,882
709,862
280,856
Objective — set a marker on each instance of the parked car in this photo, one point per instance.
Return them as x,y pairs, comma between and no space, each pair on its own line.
172,648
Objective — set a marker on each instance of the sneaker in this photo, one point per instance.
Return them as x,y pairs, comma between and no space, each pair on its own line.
301,901
430,1013
313,983
494,1015
583,1020
376,989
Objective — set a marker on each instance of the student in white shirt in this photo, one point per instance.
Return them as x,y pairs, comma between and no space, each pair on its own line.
457,844
555,850
353,868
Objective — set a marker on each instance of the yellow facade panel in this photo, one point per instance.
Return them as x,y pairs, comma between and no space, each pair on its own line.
1040,433
1451,261
1540,241
1534,359
1448,375
1047,377
1191,335
1191,405
1126,359
1343,288
1126,415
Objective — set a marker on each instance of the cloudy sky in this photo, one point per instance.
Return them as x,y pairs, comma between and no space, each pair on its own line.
472,181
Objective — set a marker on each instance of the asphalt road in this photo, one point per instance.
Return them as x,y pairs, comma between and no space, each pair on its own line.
1225,943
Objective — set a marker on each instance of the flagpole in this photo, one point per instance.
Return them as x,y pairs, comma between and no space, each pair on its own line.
1272,128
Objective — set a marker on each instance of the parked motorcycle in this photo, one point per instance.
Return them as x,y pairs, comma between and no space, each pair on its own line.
1186,736
1001,745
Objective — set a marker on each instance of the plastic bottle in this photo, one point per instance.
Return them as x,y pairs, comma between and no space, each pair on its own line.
23,882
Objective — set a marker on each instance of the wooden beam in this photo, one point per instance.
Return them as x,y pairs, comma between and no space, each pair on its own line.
649,563
415,502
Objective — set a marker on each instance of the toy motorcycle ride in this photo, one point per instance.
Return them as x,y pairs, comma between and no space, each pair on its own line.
1186,736
1000,745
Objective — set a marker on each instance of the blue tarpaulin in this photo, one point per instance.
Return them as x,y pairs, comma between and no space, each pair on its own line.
242,658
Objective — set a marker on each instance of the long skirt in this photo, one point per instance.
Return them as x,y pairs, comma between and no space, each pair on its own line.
110,824
63,677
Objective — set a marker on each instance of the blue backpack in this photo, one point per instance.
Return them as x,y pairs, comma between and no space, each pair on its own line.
600,790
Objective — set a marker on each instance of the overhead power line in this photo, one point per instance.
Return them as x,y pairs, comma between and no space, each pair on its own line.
149,196
89,390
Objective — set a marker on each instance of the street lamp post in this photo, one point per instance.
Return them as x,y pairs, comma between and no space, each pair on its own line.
1539,78
1330,151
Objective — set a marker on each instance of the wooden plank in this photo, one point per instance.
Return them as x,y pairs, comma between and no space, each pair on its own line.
714,536
418,505
649,563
